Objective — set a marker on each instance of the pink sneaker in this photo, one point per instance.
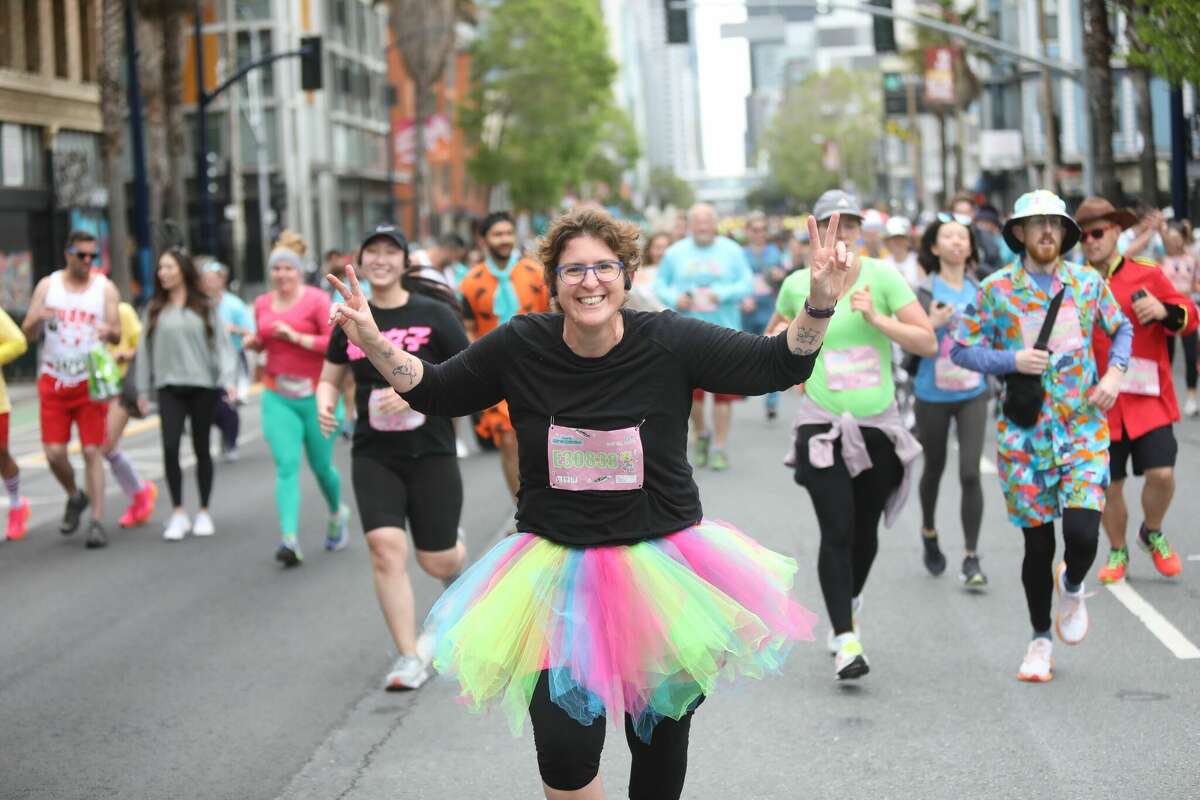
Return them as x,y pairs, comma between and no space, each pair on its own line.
149,496
18,519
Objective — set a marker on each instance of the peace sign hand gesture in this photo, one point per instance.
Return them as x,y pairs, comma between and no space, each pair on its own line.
830,263
354,316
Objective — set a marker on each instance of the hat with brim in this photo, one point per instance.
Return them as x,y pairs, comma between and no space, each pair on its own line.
385,231
1041,203
835,201
1096,209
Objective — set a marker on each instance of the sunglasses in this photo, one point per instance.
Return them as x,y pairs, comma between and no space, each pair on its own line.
1095,233
83,255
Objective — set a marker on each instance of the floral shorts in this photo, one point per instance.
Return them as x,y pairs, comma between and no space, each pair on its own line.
1036,496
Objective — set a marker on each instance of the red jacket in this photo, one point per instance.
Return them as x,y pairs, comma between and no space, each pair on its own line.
1134,415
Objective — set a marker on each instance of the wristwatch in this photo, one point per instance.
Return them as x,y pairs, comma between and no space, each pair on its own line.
818,313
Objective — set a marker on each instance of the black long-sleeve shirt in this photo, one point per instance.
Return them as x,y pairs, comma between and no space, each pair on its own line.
646,379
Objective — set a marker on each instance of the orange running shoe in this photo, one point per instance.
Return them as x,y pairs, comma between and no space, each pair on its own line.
1114,571
1166,560
18,519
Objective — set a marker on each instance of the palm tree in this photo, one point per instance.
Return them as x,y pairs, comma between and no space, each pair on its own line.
1097,50
1148,158
423,32
113,112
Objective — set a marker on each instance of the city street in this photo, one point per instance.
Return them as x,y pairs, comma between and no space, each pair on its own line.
201,669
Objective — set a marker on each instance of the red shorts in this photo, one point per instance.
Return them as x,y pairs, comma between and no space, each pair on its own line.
4,431
698,396
62,405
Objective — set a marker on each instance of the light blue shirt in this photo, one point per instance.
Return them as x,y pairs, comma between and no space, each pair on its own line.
233,311
926,388
720,268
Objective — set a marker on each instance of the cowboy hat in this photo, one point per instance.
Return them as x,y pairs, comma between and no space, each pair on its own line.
1097,209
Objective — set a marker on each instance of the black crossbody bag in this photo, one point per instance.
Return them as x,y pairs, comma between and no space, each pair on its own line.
1024,394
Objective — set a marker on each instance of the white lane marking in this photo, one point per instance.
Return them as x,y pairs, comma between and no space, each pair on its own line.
987,467
1167,633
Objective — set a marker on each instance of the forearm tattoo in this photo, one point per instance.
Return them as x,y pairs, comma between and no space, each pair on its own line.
804,341
406,371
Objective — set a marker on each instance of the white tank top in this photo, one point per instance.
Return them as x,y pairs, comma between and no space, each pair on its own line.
73,332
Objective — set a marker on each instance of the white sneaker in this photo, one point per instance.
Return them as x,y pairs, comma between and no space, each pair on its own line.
850,662
337,532
177,527
831,642
1072,619
203,525
1189,408
408,673
1038,664
425,646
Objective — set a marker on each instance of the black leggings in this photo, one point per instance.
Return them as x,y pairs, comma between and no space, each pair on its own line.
848,512
933,429
1189,355
1081,535
176,403
568,753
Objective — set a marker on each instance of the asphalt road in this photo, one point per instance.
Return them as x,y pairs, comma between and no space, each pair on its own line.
200,669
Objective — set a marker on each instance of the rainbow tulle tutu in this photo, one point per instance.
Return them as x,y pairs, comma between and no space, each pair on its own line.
643,629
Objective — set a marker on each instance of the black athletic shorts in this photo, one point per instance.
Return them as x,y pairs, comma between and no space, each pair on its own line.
421,495
1154,448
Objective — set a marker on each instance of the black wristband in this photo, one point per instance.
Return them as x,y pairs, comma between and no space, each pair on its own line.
818,313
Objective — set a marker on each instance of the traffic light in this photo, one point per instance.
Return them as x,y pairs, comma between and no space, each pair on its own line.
311,74
884,28
677,23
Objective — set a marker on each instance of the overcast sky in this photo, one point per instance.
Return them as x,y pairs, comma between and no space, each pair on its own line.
724,84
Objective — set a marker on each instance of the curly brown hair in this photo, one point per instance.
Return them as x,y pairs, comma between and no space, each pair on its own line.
623,238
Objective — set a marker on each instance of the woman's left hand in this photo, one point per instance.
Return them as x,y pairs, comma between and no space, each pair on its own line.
829,263
281,330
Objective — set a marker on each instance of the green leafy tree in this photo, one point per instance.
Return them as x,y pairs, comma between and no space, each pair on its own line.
668,189
614,153
1169,31
542,97
821,113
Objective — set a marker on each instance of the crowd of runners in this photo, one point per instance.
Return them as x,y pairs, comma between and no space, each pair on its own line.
602,362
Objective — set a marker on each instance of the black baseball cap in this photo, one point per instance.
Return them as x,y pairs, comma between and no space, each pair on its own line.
384,230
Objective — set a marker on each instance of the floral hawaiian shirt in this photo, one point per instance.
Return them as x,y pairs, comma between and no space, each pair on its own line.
1007,315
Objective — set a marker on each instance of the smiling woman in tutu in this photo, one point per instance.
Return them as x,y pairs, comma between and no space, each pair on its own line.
616,598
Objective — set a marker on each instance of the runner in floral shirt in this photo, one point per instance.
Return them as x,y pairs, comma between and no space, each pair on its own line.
1059,467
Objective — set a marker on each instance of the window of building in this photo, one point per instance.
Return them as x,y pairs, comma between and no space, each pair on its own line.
838,37
22,163
61,54
87,41
341,19
33,36
251,45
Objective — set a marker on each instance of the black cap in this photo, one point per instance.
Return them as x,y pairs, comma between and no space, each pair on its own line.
384,231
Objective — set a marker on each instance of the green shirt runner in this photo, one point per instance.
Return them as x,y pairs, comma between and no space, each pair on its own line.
854,370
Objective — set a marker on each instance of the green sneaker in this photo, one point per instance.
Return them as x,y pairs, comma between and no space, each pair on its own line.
718,462
700,451
1114,571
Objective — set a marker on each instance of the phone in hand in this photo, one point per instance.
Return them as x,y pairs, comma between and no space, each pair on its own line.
1138,295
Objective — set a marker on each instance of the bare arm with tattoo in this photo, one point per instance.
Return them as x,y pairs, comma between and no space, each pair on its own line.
402,370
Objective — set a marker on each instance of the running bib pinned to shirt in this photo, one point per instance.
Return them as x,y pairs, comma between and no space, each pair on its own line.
381,420
295,387
1067,335
852,368
950,377
584,460
1141,378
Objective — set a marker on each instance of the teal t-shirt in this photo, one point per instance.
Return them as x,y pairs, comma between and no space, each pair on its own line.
854,371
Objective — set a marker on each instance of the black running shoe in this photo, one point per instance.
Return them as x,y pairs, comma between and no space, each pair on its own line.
71,514
289,556
972,576
97,537
935,561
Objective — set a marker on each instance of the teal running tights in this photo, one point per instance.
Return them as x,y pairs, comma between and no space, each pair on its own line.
290,425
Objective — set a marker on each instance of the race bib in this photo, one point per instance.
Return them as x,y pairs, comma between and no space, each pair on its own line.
1066,337
704,300
295,387
584,460
852,368
950,377
1141,378
71,366
381,420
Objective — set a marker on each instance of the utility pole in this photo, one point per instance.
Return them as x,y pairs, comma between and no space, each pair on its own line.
236,190
265,211
1049,126
915,140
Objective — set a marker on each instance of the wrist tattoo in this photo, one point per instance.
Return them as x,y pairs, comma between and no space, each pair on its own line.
807,342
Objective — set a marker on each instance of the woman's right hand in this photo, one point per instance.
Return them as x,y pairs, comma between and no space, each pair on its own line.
941,314
326,417
143,406
353,316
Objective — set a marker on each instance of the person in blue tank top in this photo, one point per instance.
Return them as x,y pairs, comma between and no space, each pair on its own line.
766,264
945,391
